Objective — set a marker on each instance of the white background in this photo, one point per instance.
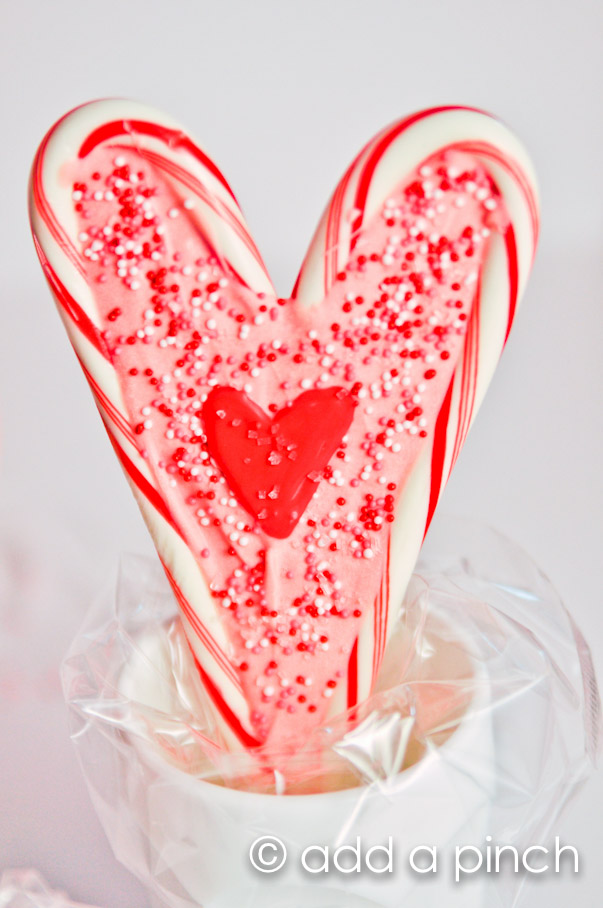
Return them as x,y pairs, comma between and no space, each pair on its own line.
282,94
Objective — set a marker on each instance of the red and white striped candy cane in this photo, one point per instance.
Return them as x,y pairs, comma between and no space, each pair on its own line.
167,147
375,172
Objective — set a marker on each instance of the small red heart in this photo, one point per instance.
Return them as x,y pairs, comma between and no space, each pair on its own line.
273,465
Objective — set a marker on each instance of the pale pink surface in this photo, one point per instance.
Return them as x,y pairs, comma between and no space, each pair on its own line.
293,622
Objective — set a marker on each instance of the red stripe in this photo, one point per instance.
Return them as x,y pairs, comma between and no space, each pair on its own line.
476,326
513,275
376,633
380,616
353,676
369,168
143,484
380,144
335,221
469,383
111,410
385,611
174,138
439,454
227,714
41,205
471,377
331,235
204,636
73,309
331,232
180,174
187,179
485,149
376,627
296,284
463,370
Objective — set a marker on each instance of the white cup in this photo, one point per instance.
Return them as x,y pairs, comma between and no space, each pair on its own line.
195,836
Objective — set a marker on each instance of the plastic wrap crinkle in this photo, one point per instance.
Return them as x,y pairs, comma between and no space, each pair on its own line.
26,888
484,721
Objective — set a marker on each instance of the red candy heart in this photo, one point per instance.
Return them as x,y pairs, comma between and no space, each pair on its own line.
273,465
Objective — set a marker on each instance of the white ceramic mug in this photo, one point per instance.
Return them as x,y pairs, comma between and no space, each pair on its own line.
195,836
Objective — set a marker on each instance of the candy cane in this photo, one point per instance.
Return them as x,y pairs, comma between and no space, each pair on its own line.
54,228
351,223
371,177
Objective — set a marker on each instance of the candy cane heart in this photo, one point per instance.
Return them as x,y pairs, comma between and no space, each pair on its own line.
287,454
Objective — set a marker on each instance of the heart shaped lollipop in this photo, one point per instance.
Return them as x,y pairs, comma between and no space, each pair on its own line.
287,454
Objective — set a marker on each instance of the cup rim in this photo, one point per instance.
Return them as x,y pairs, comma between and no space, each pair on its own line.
474,712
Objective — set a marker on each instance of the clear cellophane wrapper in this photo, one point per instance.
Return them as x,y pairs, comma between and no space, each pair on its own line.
484,720
25,888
